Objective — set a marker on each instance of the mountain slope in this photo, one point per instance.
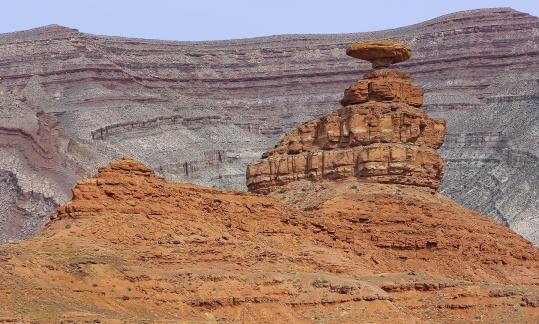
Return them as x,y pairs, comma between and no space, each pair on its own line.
38,165
201,111
133,247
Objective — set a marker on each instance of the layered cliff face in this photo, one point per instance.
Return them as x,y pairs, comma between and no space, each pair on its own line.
133,247
38,164
190,120
381,135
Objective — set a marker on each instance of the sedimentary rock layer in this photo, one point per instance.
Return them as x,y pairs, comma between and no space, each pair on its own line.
479,69
132,247
382,163
38,164
385,85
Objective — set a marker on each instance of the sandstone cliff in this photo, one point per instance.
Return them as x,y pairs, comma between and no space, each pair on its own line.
162,103
133,247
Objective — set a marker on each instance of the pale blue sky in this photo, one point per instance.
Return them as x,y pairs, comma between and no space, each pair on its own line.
226,19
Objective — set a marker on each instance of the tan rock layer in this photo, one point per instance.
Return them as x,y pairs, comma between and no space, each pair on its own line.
383,163
384,85
364,124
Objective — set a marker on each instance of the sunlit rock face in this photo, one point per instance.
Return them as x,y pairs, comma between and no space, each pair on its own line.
133,247
380,135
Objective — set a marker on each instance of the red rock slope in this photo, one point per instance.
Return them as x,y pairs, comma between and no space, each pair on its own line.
133,247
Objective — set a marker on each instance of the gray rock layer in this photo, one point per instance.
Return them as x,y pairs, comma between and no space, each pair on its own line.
200,111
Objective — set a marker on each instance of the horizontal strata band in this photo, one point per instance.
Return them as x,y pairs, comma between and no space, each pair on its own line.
385,163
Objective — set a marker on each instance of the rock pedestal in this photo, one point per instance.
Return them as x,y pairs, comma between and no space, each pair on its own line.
380,135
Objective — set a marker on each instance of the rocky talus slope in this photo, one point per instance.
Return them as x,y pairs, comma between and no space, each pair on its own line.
132,247
201,111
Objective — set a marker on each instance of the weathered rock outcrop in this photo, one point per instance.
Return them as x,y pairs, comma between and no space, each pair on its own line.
381,134
38,163
479,70
132,247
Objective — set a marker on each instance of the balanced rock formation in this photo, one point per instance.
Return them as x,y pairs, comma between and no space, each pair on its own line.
381,53
132,247
380,135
